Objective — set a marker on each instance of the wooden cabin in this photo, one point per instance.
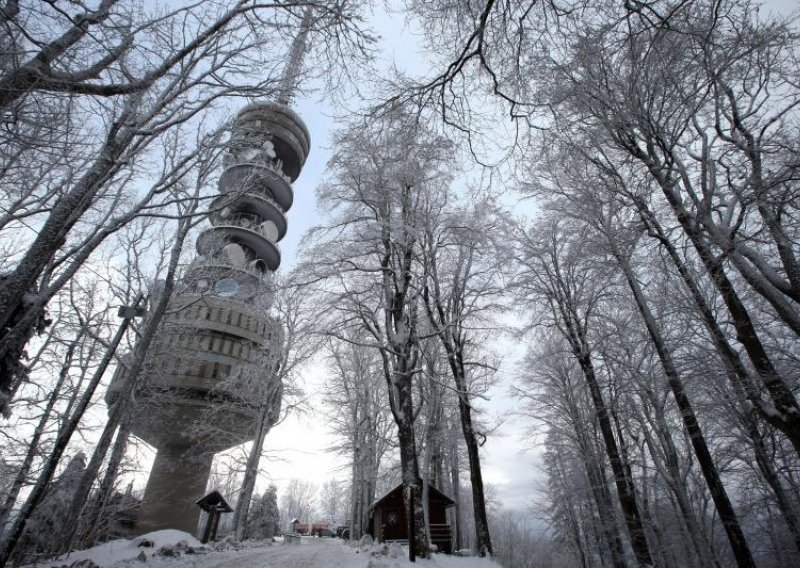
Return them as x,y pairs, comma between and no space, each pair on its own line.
388,521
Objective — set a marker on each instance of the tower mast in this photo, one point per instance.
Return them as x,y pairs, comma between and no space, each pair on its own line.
293,71
216,357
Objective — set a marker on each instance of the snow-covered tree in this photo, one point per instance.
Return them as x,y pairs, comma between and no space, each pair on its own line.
296,315
52,512
464,283
358,413
384,179
263,520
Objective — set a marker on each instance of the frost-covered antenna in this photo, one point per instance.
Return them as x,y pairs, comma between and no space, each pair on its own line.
293,70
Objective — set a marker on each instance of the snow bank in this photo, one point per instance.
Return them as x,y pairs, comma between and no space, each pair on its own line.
396,556
169,537
435,561
166,542
446,561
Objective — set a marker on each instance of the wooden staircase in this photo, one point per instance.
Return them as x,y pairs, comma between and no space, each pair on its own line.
442,537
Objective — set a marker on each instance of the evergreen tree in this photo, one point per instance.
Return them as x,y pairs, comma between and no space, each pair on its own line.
52,512
263,522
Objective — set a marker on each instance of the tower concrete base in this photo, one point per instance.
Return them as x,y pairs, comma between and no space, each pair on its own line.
178,479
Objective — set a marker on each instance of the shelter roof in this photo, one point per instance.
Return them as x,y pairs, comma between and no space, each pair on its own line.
214,501
433,495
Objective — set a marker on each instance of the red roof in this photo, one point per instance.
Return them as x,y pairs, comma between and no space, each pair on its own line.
313,526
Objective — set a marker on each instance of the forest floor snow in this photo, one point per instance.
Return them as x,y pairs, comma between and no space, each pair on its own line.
175,549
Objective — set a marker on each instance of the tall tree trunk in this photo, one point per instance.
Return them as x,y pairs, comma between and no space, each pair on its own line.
693,531
94,517
786,405
455,475
608,532
263,426
736,538
370,482
449,330
356,492
625,489
559,276
574,524
433,418
356,475
483,541
412,484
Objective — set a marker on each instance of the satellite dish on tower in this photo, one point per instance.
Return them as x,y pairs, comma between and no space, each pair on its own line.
270,231
235,254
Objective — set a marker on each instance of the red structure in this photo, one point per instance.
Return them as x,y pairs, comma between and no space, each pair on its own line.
312,529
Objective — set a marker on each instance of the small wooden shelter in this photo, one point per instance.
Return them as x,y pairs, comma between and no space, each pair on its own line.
388,521
214,504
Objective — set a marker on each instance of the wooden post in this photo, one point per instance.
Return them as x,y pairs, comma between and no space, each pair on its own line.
215,515
209,522
412,540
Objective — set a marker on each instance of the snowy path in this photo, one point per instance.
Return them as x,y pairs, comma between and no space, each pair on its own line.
310,553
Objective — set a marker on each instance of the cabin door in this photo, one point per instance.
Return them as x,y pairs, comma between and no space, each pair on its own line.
393,526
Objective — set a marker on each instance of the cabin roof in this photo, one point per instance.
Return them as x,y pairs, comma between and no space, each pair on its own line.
434,495
214,501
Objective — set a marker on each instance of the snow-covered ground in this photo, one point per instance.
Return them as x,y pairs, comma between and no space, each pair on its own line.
174,549
115,552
